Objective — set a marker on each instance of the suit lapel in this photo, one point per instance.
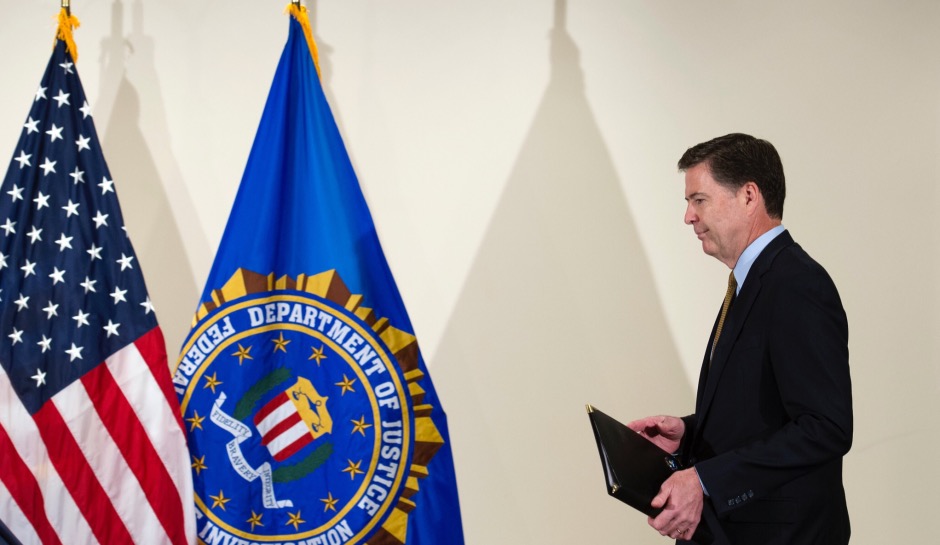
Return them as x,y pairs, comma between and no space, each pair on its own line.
734,323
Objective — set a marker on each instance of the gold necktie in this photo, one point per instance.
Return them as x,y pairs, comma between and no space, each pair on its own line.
729,295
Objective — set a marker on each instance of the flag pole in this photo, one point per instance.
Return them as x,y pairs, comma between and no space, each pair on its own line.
299,12
67,23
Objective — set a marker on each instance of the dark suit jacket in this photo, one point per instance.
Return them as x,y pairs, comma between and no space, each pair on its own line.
773,414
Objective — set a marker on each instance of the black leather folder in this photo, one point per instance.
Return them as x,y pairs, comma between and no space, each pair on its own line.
634,467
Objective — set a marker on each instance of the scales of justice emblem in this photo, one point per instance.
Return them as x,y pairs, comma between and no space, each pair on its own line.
305,415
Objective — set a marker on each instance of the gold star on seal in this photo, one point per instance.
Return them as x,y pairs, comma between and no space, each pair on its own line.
295,520
255,520
353,469
360,425
280,343
220,500
346,385
330,502
317,355
196,421
243,353
199,464
212,382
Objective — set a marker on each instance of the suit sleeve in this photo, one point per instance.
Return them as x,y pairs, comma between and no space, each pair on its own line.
807,351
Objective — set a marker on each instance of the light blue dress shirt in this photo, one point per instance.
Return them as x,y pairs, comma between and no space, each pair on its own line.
749,255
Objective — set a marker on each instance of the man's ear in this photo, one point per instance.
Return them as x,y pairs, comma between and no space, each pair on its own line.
752,195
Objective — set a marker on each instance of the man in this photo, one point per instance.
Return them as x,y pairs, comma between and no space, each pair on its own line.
773,413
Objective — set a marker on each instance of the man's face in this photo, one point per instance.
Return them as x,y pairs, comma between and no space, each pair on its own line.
717,214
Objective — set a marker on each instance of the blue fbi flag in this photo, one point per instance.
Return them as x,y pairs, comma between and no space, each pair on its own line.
310,412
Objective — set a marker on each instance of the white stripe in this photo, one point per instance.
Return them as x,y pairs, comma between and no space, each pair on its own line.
107,463
283,412
289,435
132,374
61,510
15,520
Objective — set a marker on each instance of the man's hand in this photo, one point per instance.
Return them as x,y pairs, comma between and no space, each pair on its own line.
664,431
681,498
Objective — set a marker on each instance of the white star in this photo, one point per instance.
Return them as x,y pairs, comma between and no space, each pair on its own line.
55,132
71,209
78,176
125,261
68,67
111,328
64,242
35,234
148,306
118,295
28,269
3,264
39,377
44,343
85,109
62,98
40,93
8,227
100,219
32,125
17,336
81,318
106,185
16,193
51,310
47,166
89,285
22,302
41,200
75,352
82,143
57,276
94,252
24,159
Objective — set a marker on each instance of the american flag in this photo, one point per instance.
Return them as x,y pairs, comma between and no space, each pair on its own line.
92,447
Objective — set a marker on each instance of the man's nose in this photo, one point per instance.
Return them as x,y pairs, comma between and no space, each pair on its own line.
690,216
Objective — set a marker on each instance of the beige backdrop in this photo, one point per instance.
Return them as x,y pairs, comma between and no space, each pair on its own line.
519,160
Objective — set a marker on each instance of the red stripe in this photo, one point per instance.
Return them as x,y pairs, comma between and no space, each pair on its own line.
78,477
271,406
280,428
153,349
141,457
293,448
24,489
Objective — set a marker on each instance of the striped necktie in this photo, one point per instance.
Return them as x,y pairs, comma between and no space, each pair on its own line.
729,295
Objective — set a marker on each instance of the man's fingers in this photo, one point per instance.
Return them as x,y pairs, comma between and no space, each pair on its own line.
659,500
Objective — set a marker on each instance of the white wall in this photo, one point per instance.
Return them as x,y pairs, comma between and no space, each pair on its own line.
519,159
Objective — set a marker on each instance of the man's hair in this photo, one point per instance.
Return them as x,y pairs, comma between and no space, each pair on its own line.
735,159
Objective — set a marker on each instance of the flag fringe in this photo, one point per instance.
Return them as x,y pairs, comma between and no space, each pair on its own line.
67,23
299,12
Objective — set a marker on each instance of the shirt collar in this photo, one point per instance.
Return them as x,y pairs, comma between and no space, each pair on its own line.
743,266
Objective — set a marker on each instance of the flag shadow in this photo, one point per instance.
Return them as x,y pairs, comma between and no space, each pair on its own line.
146,172
559,309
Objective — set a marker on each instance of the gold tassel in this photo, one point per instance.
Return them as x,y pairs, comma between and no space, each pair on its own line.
299,12
67,23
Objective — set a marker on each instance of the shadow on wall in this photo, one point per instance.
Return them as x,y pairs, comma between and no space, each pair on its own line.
559,309
146,173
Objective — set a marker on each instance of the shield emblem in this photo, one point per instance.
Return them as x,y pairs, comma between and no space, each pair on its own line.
293,419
